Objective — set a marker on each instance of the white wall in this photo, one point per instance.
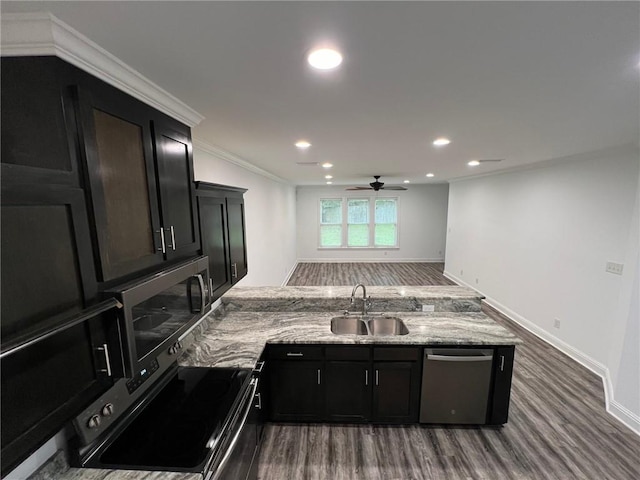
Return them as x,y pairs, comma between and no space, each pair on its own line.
422,220
270,216
536,243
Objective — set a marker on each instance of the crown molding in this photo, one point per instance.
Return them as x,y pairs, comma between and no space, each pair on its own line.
222,154
40,34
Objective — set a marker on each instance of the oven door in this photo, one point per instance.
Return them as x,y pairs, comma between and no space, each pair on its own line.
237,458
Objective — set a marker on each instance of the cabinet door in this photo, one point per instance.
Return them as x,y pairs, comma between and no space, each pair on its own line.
121,177
47,262
237,244
177,197
213,232
502,372
348,391
296,391
396,392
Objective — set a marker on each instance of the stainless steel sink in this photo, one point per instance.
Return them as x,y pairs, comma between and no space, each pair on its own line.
368,325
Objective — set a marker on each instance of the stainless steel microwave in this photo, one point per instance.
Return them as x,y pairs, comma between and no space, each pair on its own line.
158,310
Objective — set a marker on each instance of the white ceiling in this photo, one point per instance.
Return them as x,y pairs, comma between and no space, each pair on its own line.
523,81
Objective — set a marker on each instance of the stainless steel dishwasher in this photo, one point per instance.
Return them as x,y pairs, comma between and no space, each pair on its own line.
455,385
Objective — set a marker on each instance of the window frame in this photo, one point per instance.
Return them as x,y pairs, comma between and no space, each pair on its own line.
345,225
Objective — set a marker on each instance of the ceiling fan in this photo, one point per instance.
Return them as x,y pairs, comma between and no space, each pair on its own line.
375,186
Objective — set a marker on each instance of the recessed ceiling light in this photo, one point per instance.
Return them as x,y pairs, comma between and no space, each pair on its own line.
430,175
329,183
302,144
441,142
324,58
327,165
407,181
473,163
328,177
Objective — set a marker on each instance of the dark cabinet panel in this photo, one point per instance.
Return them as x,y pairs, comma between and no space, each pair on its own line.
296,390
47,265
213,228
237,241
222,233
121,178
502,374
37,111
348,391
175,177
396,392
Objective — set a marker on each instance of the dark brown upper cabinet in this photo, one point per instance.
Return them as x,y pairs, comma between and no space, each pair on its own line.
222,233
139,171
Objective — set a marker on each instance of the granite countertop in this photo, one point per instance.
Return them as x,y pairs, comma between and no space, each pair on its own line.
343,293
237,339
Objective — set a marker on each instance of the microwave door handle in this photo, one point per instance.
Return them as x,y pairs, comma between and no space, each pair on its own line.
203,290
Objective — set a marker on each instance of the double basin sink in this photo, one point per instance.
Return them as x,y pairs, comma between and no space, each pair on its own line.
368,325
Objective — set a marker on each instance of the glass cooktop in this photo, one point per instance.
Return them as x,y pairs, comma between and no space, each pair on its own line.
179,427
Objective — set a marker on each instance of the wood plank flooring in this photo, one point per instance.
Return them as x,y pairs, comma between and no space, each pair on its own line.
558,427
334,274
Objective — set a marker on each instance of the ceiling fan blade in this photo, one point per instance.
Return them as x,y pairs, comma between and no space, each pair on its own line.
359,188
393,188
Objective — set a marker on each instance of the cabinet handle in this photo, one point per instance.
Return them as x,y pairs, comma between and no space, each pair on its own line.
377,378
295,354
173,237
259,404
163,247
234,270
107,360
318,376
366,377
502,363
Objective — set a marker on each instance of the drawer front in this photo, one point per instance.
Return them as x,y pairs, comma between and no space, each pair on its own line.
347,353
412,354
294,352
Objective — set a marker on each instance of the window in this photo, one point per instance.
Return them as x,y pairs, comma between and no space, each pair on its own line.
359,223
331,223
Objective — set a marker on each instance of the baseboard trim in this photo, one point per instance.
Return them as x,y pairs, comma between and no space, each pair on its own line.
620,412
288,276
371,260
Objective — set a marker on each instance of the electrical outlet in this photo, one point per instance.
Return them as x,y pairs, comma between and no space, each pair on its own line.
428,308
613,267
556,323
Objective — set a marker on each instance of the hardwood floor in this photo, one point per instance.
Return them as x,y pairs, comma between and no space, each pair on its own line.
310,274
558,427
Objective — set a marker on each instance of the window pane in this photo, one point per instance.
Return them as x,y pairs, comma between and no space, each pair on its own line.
331,211
358,211
358,235
330,236
385,235
386,211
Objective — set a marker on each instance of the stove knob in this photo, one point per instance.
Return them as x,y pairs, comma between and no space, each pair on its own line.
107,410
94,421
179,345
172,350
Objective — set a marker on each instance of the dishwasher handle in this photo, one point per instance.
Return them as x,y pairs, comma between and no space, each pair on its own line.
459,358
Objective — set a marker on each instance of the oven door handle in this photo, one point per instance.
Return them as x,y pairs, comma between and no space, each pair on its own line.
233,443
203,291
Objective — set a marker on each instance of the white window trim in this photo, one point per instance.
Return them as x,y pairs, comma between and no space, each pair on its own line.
372,210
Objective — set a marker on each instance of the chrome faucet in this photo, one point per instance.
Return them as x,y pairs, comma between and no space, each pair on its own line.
366,301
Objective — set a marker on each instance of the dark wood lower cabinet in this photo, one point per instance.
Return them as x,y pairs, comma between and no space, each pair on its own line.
396,392
296,391
356,384
348,391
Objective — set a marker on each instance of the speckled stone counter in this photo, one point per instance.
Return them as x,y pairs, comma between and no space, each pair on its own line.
447,298
237,339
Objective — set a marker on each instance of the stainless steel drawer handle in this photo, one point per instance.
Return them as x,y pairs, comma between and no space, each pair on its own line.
295,354
502,363
366,377
259,398
318,376
173,237
377,377
163,246
107,360
455,358
234,272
